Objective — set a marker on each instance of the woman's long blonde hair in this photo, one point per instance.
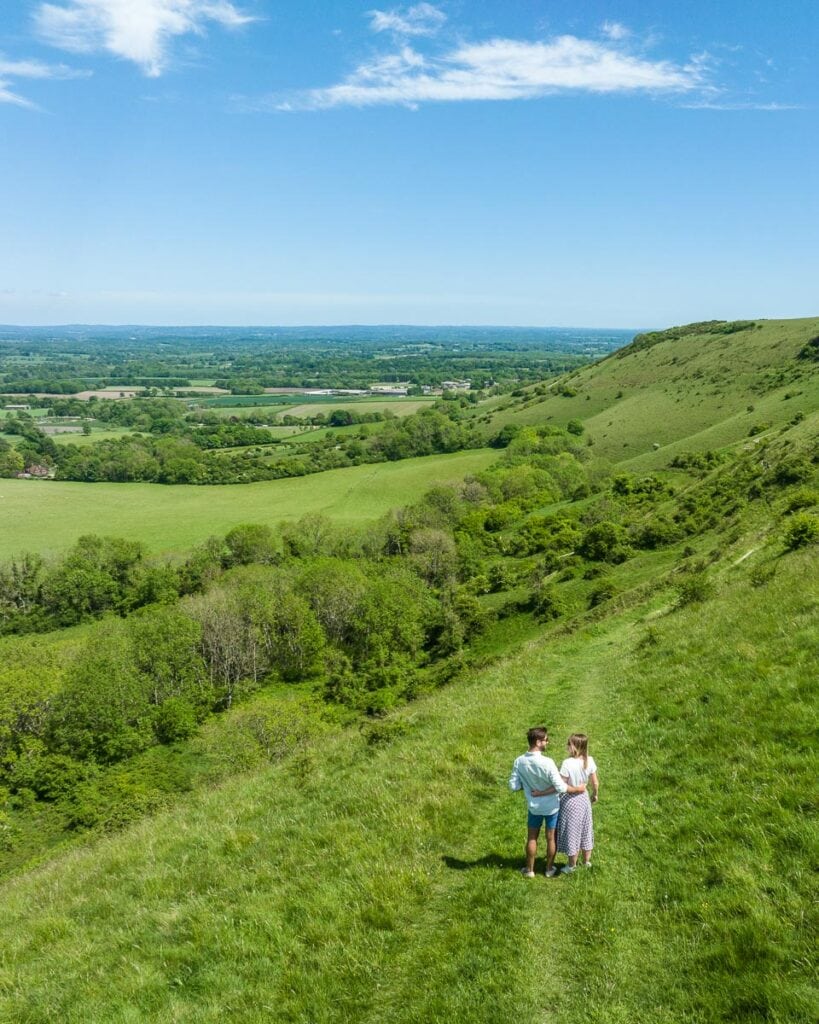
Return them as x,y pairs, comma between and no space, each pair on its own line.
579,746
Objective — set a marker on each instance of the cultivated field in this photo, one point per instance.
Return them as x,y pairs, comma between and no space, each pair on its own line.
48,516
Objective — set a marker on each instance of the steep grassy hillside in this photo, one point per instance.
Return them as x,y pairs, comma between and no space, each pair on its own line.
686,389
374,878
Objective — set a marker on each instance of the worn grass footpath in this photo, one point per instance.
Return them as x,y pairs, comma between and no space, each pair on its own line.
376,880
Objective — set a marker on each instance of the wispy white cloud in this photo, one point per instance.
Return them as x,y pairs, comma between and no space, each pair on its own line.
745,105
11,70
502,69
614,30
420,20
137,30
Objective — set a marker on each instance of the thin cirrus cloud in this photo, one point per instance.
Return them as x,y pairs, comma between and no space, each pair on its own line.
12,70
502,69
419,20
136,30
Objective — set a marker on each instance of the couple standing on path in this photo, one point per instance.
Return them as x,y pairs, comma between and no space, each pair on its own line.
568,820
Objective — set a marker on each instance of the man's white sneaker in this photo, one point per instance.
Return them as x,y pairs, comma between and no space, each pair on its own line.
527,873
551,872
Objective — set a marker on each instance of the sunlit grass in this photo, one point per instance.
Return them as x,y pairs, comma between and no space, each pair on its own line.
375,877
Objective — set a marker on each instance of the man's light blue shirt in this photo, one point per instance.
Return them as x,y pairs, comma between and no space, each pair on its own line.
533,770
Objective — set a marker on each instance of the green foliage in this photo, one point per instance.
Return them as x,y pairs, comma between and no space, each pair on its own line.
251,542
810,350
694,588
803,529
104,711
605,542
547,602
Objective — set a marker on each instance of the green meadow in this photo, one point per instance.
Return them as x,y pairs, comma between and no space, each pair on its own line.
374,876
48,516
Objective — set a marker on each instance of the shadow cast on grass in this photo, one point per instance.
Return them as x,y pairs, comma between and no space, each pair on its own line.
490,860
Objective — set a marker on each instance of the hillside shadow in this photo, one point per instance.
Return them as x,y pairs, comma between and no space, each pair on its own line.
489,860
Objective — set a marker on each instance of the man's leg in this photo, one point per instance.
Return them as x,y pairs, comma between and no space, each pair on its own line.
551,847
531,847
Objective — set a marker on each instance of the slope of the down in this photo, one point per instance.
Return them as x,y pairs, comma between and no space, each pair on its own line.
376,878
697,391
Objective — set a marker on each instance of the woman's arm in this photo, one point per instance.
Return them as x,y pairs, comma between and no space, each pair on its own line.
595,783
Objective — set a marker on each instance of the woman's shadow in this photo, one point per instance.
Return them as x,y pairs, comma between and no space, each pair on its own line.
489,860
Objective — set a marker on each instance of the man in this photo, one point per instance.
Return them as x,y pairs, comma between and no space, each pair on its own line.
538,777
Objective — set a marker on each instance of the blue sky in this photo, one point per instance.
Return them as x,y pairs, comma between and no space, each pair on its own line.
519,162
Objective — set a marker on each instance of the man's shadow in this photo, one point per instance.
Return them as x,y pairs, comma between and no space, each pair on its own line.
489,860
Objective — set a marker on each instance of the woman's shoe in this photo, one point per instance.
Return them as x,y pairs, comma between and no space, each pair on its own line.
567,869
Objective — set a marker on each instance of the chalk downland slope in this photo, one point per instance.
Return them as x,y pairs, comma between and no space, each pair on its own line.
693,388
375,878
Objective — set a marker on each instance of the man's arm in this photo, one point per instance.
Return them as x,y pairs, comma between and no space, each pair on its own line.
514,779
561,786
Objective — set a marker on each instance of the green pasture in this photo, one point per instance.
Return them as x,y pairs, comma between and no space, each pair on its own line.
375,876
397,406
321,433
48,516
105,433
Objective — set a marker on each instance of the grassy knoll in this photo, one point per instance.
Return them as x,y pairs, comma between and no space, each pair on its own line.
48,516
375,878
694,392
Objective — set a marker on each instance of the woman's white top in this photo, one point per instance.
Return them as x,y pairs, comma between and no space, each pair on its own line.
573,768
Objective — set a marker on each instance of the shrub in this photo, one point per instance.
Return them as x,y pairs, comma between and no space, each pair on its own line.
802,530
547,603
694,589
605,542
575,427
174,720
805,497
604,591
795,470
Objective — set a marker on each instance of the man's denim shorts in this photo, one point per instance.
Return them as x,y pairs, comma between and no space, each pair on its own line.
536,820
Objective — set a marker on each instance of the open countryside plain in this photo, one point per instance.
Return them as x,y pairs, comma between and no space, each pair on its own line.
48,516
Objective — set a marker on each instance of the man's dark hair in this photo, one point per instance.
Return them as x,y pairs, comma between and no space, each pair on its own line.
539,732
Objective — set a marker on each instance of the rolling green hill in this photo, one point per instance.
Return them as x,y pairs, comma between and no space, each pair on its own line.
683,390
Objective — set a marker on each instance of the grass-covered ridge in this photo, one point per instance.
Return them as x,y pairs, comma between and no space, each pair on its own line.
327,888
694,388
